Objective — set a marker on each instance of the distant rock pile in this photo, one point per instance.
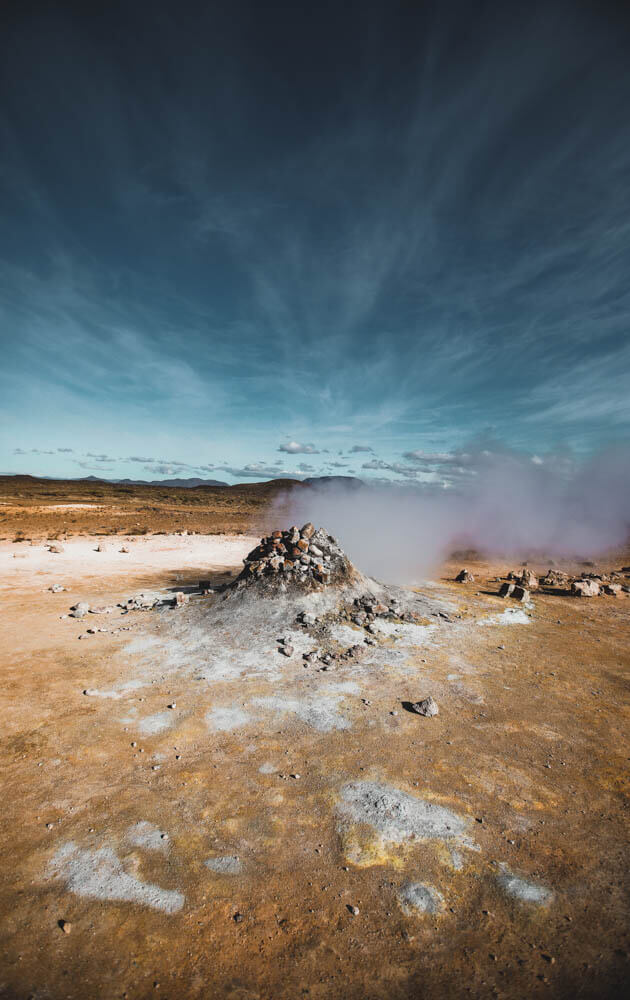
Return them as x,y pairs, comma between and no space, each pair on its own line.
518,584
306,557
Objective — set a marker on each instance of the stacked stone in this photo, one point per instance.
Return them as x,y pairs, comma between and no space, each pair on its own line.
298,554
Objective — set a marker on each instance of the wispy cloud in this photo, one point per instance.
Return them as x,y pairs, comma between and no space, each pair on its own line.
207,284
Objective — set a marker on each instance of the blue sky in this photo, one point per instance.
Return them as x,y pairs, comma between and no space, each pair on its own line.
273,240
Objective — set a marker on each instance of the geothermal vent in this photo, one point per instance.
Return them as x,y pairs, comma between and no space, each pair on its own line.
299,559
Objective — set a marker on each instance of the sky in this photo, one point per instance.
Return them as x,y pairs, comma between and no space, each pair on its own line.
242,241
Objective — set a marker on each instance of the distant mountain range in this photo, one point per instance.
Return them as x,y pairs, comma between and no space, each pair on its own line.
350,481
185,483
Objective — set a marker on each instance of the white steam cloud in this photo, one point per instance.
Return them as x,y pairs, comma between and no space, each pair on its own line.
505,503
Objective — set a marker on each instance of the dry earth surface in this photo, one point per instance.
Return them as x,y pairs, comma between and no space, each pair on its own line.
214,819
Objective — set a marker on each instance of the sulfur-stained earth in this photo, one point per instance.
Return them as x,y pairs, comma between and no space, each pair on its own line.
187,812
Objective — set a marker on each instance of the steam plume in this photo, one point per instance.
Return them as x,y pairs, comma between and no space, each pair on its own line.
504,503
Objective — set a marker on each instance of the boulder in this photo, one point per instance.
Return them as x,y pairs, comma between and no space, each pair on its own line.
585,588
464,577
80,610
506,590
612,589
427,707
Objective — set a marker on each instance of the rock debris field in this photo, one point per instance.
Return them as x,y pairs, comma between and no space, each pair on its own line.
298,780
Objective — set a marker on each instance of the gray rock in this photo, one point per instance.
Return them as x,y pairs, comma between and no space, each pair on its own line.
585,588
464,577
428,707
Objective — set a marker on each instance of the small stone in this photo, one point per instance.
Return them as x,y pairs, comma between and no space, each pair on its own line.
354,910
238,918
308,530
49,826
296,776
181,598
464,577
56,588
55,549
173,704
65,926
427,707
286,650
124,550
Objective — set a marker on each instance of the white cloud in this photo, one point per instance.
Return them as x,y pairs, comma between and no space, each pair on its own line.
295,448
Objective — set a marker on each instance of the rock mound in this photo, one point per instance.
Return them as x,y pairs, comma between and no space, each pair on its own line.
299,558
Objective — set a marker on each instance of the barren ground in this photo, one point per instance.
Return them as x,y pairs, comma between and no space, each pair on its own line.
216,848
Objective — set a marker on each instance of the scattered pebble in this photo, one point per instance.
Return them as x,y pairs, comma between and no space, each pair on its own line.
65,926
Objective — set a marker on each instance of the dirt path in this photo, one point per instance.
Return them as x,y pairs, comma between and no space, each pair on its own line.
217,847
